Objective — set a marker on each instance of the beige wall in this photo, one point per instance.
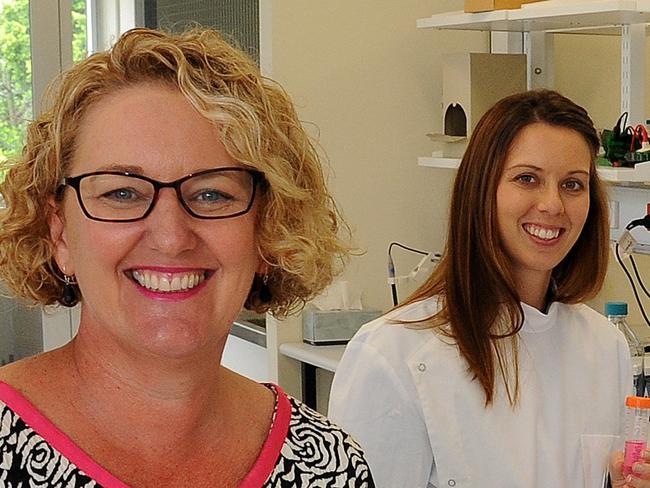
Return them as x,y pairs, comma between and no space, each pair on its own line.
588,70
368,84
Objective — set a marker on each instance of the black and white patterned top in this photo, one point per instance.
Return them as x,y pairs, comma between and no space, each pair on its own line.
303,449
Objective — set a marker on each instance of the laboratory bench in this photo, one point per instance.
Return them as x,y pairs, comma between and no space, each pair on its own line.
311,358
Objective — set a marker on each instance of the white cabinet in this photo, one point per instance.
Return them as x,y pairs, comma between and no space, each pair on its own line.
246,358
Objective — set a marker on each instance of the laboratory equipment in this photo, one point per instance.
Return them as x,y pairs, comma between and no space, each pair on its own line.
617,315
646,370
421,270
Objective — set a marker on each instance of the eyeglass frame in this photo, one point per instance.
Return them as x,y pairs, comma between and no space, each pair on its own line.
74,183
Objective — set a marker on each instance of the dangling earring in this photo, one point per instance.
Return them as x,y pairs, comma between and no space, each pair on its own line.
265,292
69,297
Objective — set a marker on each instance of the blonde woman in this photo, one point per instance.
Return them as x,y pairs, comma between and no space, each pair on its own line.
494,373
168,185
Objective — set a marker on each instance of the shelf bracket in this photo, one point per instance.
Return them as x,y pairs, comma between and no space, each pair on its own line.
633,73
539,52
506,42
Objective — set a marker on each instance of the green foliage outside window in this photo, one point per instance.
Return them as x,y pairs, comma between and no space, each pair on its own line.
16,69
79,43
15,76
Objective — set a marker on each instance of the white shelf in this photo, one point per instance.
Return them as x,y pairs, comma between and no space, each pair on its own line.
449,163
496,20
325,357
549,16
639,174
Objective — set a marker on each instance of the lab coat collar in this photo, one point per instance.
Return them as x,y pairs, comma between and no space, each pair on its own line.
536,321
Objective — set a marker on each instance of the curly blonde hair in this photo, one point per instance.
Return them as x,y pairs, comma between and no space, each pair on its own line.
299,224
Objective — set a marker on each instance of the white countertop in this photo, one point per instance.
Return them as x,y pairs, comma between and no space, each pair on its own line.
326,357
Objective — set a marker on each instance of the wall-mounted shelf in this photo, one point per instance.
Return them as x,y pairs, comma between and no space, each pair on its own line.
548,16
448,163
639,174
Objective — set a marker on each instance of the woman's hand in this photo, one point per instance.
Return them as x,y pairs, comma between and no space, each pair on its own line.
640,477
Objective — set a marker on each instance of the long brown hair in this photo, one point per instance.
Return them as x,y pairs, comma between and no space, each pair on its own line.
480,307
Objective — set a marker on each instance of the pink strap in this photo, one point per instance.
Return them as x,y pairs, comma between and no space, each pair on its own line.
272,447
256,478
55,438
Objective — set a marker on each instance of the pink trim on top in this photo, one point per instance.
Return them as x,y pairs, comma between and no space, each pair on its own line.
262,469
272,447
55,438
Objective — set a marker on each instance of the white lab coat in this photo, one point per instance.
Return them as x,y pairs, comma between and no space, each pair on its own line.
406,396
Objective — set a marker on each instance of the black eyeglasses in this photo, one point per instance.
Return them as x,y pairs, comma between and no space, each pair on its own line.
117,196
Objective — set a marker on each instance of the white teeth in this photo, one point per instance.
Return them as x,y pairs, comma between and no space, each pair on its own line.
542,233
163,282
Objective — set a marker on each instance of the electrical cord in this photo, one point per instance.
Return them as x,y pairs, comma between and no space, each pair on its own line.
645,221
391,268
390,248
638,277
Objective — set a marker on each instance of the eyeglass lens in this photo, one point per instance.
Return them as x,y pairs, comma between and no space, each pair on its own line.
213,194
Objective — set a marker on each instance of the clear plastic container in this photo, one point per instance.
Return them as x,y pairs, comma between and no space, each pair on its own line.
637,422
617,315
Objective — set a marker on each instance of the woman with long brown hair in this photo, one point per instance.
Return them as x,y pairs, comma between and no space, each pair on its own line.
480,377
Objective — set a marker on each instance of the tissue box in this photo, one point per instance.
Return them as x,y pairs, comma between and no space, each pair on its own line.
328,327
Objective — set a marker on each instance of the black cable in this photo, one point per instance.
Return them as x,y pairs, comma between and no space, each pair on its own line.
638,277
631,280
391,267
644,221
393,289
390,248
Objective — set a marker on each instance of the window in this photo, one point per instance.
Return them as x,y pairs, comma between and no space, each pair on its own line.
16,92
79,31
36,42
15,75
238,20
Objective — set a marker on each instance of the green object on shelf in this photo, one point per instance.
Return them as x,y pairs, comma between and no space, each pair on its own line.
620,143
616,146
603,161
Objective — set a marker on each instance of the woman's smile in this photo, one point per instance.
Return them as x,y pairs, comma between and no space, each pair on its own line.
546,234
164,282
